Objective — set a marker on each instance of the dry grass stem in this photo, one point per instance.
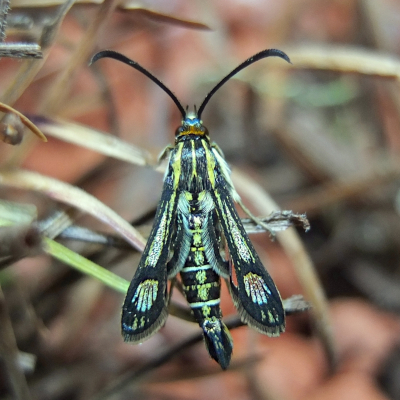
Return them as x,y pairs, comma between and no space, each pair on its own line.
75,197
55,99
92,139
346,59
304,267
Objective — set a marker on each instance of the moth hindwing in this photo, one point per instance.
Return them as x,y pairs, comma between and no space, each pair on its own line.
196,216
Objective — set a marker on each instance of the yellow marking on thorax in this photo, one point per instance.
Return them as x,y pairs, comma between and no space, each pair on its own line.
177,165
210,163
193,131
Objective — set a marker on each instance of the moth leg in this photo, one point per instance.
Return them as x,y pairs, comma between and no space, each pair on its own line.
218,149
171,289
177,285
254,218
164,154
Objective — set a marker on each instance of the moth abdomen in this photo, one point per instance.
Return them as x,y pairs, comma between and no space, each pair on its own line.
202,289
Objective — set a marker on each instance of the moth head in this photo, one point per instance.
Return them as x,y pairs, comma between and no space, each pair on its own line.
191,125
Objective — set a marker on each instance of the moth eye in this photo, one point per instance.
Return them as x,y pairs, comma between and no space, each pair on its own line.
179,130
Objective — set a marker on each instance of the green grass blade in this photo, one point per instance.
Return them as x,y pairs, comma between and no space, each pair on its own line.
85,266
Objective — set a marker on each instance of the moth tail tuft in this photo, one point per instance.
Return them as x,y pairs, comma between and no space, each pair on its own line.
218,341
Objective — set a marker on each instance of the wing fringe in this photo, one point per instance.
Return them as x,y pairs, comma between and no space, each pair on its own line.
152,330
246,318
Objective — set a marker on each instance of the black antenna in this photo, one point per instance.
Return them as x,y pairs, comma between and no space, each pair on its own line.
134,64
251,60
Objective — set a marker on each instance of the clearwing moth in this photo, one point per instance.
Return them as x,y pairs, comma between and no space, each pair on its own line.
195,218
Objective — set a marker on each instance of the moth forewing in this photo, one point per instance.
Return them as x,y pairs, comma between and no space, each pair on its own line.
145,307
256,296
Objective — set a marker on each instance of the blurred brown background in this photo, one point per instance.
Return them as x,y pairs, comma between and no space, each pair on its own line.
321,137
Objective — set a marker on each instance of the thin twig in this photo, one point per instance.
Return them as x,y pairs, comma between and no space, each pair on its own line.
4,7
20,50
14,50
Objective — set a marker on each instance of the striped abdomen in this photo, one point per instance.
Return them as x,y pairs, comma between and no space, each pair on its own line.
202,287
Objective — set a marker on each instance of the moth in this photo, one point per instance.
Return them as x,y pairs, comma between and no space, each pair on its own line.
195,222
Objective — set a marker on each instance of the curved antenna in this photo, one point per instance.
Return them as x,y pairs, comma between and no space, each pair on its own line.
137,66
251,60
